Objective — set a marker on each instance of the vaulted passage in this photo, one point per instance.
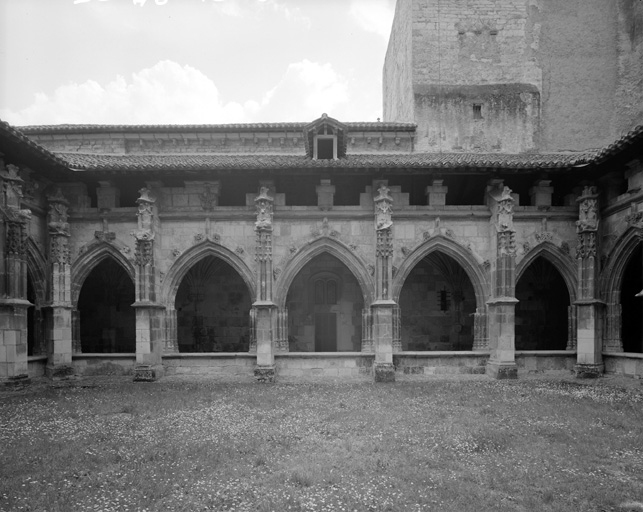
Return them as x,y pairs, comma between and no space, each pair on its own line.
213,309
541,314
325,308
632,306
107,318
437,304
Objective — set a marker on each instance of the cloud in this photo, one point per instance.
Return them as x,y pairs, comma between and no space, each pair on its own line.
165,93
247,8
374,15
168,93
305,91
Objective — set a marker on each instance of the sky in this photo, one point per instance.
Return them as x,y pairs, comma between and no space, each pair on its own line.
191,61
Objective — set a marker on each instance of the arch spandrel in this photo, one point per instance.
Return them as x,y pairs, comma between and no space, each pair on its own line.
190,257
451,248
560,261
87,261
315,248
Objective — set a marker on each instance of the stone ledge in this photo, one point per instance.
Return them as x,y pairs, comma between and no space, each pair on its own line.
96,355
624,355
209,355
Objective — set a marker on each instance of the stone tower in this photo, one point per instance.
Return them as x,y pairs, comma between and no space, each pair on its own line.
515,76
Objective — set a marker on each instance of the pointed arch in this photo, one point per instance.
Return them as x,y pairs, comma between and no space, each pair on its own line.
194,254
87,261
617,261
319,246
560,261
456,251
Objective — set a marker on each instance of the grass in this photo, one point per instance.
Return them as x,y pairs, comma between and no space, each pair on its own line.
461,445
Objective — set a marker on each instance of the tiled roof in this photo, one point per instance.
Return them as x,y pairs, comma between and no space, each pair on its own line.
202,162
634,136
214,128
17,146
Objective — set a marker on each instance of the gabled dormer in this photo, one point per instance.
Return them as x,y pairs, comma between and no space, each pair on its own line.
325,139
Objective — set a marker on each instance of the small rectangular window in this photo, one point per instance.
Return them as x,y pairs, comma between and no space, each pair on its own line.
477,111
325,149
444,300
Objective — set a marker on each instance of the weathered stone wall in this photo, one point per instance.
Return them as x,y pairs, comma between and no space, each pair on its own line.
474,42
572,73
578,56
629,93
507,121
397,80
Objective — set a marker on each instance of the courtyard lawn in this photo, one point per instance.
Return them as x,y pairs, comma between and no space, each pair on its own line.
470,444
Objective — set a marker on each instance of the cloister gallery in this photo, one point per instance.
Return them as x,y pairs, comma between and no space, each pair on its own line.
451,237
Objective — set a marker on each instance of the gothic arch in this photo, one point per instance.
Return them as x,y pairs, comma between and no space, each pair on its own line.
453,249
619,257
194,254
559,259
87,261
315,248
37,267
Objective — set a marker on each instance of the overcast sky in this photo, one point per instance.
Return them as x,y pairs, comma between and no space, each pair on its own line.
191,61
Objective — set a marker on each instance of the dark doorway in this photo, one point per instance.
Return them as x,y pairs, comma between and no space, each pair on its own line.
107,318
325,332
632,306
35,328
542,310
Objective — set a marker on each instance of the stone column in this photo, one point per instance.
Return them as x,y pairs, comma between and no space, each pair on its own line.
572,328
383,309
59,364
325,195
149,313
541,193
13,278
589,310
264,308
171,341
501,307
480,334
107,196
281,343
76,346
436,193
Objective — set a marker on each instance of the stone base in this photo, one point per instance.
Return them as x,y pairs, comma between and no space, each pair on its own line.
147,373
589,371
60,372
265,373
17,381
384,372
502,371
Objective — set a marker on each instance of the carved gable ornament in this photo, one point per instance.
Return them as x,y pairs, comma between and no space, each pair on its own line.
264,207
383,208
